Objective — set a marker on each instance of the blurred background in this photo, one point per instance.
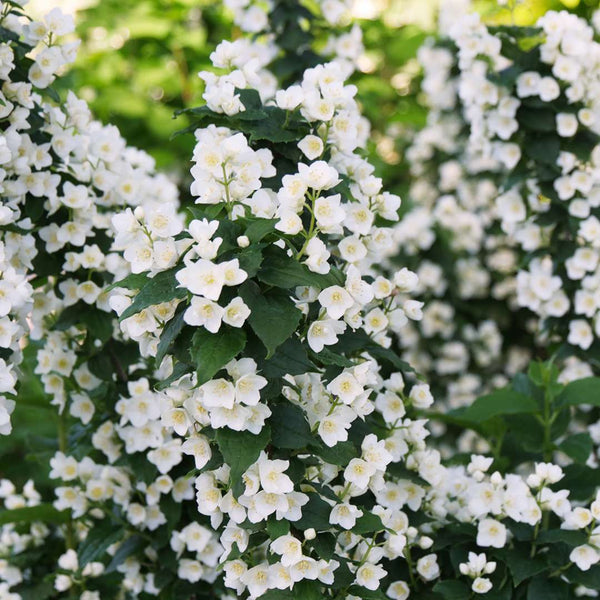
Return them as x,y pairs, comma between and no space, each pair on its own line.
139,60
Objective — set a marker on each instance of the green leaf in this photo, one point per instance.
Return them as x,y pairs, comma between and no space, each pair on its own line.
259,228
578,446
161,288
501,402
521,565
315,514
249,98
452,589
171,330
303,590
277,528
39,591
179,370
589,578
212,351
272,127
100,537
581,391
28,514
290,359
340,454
127,548
282,271
134,281
365,594
543,588
251,259
581,480
240,449
571,537
537,119
274,317
324,545
543,148
289,427
368,523
327,357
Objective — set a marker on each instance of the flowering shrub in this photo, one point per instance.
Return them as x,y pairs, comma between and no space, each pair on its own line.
234,418
492,232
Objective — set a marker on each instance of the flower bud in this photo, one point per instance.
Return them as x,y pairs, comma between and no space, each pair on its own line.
243,241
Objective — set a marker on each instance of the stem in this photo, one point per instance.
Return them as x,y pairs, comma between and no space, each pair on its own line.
63,447
311,228
408,557
548,421
560,569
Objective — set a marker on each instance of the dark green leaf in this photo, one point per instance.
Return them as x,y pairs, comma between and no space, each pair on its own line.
315,514
537,119
28,514
161,288
522,566
289,427
290,359
212,351
340,454
570,537
368,523
171,330
134,281
578,446
327,357
581,391
544,148
543,588
127,548
101,536
277,528
501,402
452,590
581,480
274,317
240,449
283,271
365,594
259,228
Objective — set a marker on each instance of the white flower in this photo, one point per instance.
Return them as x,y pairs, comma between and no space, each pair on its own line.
336,301
329,212
218,393
311,146
359,472
346,387
491,533
235,313
324,333
566,124
398,590
368,575
584,557
289,548
481,585
428,568
203,278
345,515
420,396
206,313
272,476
